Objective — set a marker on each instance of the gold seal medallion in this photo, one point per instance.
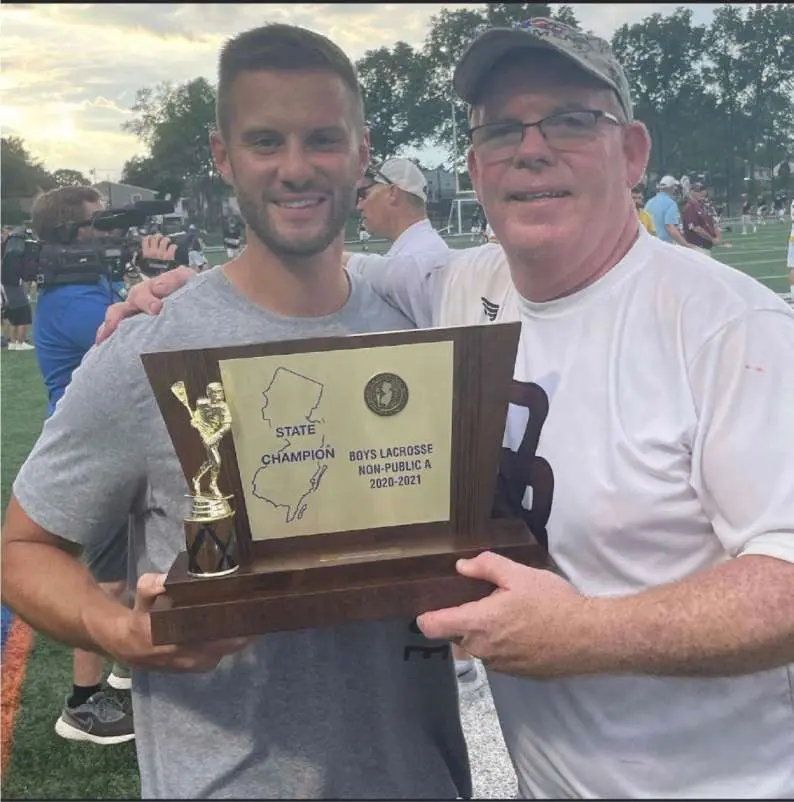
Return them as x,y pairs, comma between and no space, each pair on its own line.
386,394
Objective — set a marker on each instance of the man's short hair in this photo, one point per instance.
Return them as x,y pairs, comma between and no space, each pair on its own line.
280,47
58,206
639,188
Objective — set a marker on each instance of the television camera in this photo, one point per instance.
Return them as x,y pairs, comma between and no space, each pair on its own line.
74,260
185,242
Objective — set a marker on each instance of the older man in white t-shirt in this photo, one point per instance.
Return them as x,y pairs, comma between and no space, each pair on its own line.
648,443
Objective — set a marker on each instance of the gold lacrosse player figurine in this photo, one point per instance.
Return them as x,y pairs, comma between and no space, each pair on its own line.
209,531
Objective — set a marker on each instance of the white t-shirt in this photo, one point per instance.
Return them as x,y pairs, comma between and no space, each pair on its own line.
659,429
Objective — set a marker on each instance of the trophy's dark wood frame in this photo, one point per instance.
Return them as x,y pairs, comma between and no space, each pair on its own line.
320,580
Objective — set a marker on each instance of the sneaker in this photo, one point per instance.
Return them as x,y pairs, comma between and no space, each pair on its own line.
120,678
25,347
12,346
100,720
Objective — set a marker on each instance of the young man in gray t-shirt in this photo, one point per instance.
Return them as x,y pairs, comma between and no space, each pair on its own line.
343,712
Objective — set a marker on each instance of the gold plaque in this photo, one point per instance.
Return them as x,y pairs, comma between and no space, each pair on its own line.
314,459
361,468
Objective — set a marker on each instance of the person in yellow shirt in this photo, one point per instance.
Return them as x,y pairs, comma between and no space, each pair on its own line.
638,196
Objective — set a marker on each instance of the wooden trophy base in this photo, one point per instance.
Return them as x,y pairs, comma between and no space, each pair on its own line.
284,588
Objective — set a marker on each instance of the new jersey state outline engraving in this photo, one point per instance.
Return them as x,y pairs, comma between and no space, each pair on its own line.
292,471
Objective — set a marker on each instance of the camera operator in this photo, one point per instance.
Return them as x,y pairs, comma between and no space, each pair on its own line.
67,316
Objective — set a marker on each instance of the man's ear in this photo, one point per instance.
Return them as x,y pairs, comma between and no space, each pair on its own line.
220,155
637,150
363,154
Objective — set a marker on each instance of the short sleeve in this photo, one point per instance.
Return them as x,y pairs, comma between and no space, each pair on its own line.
742,381
87,467
672,216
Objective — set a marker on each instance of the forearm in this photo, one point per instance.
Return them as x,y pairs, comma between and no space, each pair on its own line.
53,591
676,235
737,618
703,233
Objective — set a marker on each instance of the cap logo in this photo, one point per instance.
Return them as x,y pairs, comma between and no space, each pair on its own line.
543,27
592,49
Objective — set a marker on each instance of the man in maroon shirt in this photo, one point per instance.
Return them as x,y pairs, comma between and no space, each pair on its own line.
698,221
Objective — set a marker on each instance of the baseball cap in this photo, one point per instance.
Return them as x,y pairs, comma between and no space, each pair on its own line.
403,174
592,54
668,181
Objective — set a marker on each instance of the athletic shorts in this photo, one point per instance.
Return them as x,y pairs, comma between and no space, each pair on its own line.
19,316
107,562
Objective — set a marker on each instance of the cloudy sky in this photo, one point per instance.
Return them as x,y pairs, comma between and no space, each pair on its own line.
70,72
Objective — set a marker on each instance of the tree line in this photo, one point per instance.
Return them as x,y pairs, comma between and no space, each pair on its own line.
718,100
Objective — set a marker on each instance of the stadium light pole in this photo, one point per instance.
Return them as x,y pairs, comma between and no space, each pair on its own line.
454,139
455,152
445,53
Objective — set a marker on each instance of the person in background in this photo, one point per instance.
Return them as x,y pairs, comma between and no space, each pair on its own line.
700,227
663,209
638,196
66,319
195,248
232,236
747,218
16,312
392,201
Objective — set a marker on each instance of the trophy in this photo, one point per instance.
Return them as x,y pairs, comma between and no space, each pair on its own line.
209,531
336,479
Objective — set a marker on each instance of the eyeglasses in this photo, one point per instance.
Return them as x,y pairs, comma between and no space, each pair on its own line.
362,192
500,140
377,177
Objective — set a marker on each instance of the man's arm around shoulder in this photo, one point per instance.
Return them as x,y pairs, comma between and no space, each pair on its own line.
408,282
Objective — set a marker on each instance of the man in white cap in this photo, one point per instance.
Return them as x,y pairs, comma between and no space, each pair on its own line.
392,200
665,213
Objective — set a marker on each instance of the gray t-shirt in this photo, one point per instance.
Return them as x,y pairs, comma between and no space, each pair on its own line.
365,710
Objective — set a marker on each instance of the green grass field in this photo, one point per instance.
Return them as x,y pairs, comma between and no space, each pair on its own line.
762,255
44,766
